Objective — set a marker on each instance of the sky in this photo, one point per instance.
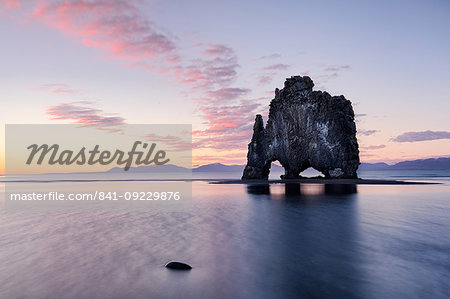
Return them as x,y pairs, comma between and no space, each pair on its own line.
216,64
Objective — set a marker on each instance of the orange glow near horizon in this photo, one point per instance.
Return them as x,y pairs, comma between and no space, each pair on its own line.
238,157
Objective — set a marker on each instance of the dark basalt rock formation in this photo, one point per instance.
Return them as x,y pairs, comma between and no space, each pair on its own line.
305,129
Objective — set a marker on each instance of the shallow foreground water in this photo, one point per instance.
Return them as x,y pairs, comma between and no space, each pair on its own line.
243,241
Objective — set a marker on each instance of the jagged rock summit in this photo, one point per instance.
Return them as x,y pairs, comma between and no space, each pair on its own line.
305,129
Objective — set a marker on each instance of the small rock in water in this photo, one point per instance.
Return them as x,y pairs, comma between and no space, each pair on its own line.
178,266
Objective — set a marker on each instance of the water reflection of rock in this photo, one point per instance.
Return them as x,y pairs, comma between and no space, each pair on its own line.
296,189
311,233
258,189
336,189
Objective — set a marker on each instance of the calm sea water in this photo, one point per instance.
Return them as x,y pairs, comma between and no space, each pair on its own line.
243,241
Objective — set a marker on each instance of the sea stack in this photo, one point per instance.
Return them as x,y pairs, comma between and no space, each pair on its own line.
305,129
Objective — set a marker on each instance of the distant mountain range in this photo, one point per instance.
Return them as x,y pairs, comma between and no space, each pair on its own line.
423,164
219,167
167,168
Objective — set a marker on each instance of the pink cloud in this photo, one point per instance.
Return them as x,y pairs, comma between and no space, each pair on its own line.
12,4
217,70
83,113
117,26
227,119
121,29
269,93
264,80
226,94
174,143
373,147
217,50
225,157
228,127
56,88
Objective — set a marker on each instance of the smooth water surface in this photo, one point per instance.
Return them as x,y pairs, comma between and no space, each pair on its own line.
243,241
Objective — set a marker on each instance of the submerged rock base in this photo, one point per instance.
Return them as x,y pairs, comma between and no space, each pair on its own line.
305,129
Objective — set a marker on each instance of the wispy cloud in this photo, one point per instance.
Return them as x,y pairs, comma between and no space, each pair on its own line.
226,112
228,126
12,4
227,94
269,93
117,26
124,32
336,68
275,67
217,67
359,116
57,88
217,50
373,147
330,72
83,113
236,157
422,136
268,57
366,132
173,143
367,155
264,80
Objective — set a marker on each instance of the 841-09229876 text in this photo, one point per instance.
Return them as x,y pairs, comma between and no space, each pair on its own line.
97,195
